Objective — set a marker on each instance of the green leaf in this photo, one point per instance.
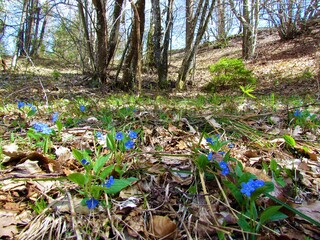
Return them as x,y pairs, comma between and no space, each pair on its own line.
234,190
244,225
120,184
106,172
101,162
110,140
202,161
289,140
77,154
272,214
78,178
96,191
59,125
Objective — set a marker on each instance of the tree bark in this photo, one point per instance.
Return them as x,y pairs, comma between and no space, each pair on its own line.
202,16
102,42
114,35
20,37
132,63
84,21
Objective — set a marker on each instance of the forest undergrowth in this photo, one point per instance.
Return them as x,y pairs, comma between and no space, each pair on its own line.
79,163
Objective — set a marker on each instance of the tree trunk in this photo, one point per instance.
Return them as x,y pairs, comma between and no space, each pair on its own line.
132,65
102,42
114,35
86,34
249,25
222,35
20,41
205,11
189,17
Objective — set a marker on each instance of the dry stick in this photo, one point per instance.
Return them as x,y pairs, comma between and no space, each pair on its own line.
226,201
73,217
201,174
114,229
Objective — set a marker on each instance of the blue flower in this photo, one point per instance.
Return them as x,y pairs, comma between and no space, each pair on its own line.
224,167
133,134
210,156
33,108
249,187
109,182
92,203
231,145
98,135
82,108
55,117
119,136
129,144
209,140
84,161
221,153
297,113
21,104
42,128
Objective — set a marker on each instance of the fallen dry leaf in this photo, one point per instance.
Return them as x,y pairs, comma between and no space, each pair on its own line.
163,227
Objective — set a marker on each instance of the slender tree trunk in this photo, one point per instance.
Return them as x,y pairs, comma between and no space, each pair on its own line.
203,15
34,41
221,21
86,34
189,17
249,26
20,41
114,35
102,42
132,65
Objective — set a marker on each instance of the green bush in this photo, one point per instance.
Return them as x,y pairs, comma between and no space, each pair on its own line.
229,72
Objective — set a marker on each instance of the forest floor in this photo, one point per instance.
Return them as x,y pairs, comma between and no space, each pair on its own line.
184,174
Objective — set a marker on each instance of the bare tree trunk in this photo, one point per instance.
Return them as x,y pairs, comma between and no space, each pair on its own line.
203,14
161,51
249,26
222,35
102,40
20,41
34,40
86,33
189,17
132,65
114,35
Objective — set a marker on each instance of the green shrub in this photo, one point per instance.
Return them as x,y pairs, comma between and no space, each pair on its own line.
229,72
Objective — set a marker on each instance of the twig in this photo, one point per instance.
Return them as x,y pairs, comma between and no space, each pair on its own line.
73,217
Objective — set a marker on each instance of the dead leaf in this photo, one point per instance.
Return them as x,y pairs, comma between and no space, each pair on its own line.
10,150
136,222
46,164
311,209
297,131
8,224
213,122
163,227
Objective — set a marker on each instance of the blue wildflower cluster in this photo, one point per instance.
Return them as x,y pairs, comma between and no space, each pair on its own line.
23,104
249,187
82,108
129,144
92,203
297,113
85,162
99,135
109,182
42,128
224,167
